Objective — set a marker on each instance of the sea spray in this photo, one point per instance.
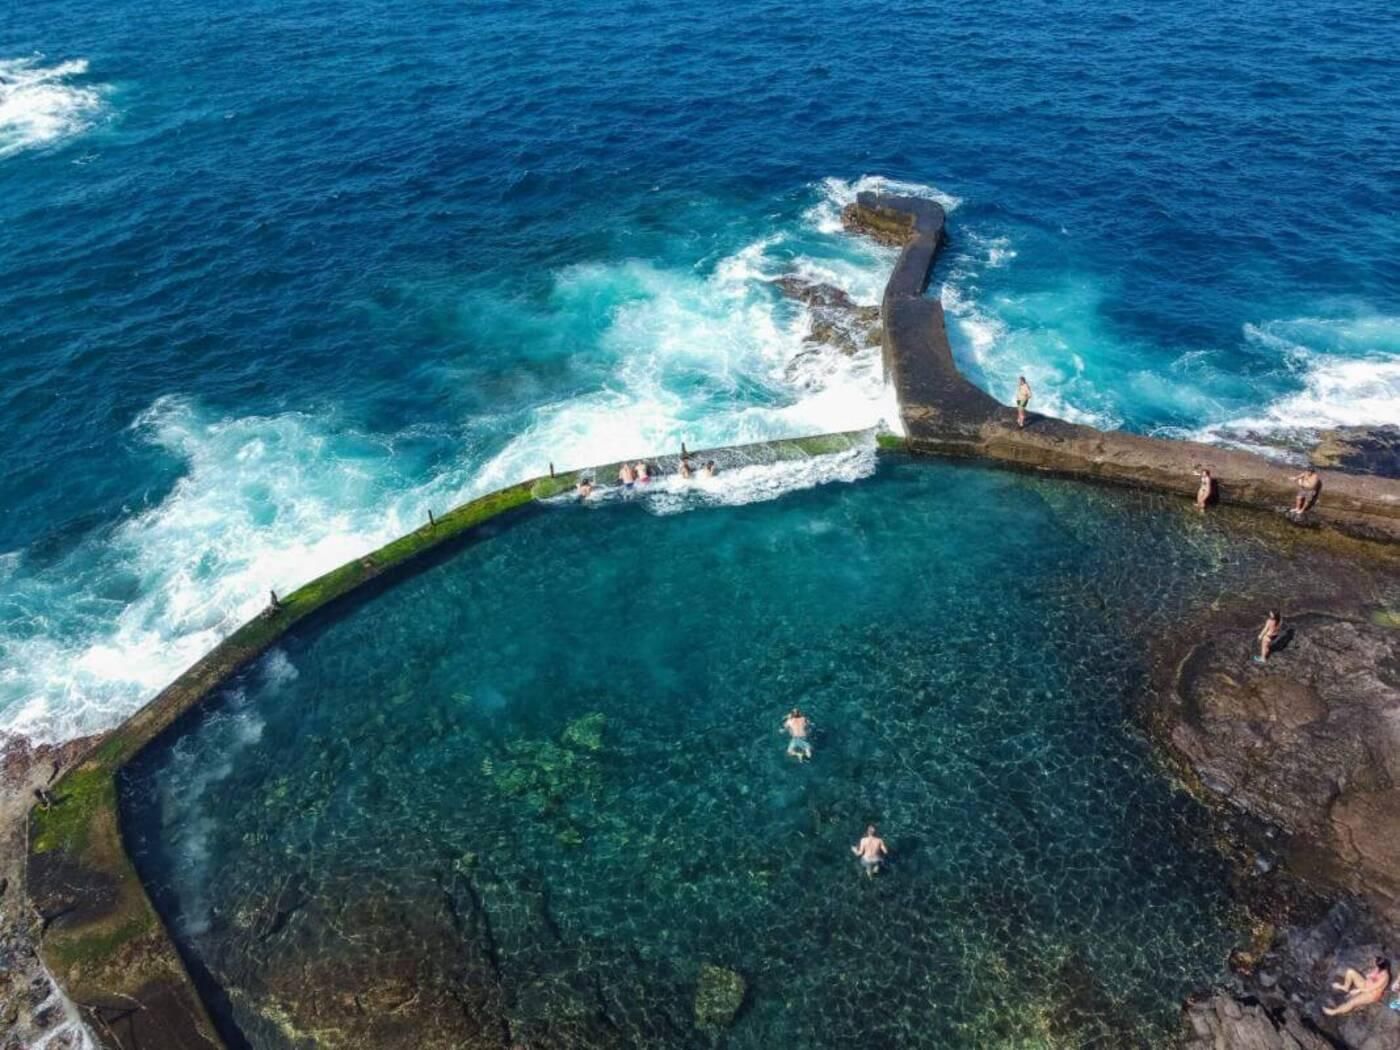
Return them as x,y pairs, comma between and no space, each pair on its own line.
41,105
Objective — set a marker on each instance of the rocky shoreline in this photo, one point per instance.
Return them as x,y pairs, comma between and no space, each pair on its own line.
1300,760
31,1008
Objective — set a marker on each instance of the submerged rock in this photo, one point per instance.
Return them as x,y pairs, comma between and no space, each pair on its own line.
718,996
1360,450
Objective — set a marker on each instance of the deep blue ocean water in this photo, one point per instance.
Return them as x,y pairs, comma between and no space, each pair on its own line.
276,278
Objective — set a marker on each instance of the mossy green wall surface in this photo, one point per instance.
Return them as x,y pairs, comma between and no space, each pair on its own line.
103,940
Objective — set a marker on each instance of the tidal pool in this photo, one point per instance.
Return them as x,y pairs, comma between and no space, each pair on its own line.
521,798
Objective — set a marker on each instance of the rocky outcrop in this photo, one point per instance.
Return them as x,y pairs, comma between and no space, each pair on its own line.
1223,1022
1309,742
944,413
1360,450
1276,1003
31,1007
837,319
1301,756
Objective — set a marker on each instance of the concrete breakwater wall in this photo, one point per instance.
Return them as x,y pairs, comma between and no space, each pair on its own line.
944,413
102,939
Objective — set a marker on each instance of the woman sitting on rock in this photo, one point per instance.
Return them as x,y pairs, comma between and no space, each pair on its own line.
1361,991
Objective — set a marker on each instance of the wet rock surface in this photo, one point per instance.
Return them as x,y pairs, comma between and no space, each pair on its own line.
1309,742
1360,450
31,1008
837,319
1302,754
1225,1022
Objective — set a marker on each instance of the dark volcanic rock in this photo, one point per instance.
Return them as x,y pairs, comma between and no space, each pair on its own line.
1360,450
1309,741
837,319
1304,753
1224,1023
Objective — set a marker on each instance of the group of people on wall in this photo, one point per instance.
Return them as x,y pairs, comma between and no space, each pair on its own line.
631,475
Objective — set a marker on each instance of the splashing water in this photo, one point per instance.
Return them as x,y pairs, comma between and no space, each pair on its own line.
707,355
40,105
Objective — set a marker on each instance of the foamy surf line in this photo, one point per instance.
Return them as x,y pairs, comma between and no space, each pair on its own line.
40,105
712,358
1346,372
733,485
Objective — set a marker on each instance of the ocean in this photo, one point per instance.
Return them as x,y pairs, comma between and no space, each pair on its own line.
277,279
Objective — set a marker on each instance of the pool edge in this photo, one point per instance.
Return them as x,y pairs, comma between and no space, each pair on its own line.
101,937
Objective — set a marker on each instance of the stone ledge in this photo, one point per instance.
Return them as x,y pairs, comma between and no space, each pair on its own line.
943,413
103,940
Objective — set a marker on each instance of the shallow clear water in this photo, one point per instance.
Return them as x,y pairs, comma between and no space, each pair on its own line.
970,647
276,278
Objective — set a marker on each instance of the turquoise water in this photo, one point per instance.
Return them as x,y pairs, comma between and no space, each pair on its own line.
277,278
565,741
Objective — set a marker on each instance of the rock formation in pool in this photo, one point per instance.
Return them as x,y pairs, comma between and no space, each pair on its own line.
1302,755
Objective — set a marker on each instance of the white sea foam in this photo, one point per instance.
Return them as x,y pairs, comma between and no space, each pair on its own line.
825,215
706,360
700,356
265,502
1345,372
41,105
739,485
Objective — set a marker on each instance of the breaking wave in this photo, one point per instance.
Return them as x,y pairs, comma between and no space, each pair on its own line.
41,105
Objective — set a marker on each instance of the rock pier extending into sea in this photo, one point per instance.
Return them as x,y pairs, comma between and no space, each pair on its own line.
942,412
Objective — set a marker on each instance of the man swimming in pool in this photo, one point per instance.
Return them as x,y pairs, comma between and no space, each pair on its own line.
584,488
1361,990
797,726
871,850
710,469
1309,489
626,475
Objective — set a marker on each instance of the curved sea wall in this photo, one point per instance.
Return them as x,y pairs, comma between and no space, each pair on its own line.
944,413
102,939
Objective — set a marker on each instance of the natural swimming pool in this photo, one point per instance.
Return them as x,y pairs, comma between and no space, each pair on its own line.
523,797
